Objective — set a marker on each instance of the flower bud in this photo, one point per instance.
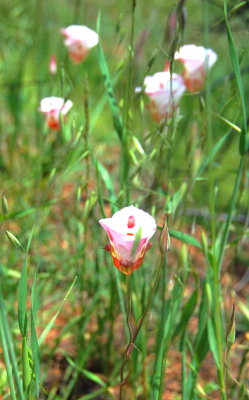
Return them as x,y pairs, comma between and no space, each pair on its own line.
5,207
164,238
14,241
52,65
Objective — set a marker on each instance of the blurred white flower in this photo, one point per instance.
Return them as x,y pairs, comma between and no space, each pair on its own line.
197,60
164,91
52,108
79,40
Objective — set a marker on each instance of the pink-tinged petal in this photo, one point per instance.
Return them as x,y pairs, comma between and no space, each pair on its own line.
128,227
52,107
66,107
164,90
197,60
79,40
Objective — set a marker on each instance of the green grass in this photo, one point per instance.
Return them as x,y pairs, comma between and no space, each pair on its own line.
71,325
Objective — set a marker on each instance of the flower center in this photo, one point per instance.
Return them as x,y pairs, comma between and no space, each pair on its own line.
131,222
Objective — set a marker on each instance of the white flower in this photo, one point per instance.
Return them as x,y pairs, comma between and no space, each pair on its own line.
197,60
164,91
52,107
128,227
79,40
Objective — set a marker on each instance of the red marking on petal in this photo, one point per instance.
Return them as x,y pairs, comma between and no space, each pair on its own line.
108,247
131,222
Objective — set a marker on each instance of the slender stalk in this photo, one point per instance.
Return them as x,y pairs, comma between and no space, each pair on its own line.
130,345
85,187
216,284
9,353
7,361
128,322
219,331
209,130
125,144
230,212
130,65
86,134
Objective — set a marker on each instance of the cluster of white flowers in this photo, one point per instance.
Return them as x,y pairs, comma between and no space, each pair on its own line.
79,39
165,89
130,226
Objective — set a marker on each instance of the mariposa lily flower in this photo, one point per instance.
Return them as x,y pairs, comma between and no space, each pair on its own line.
79,40
129,231
52,108
164,90
197,60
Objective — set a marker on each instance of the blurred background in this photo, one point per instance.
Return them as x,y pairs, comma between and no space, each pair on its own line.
62,183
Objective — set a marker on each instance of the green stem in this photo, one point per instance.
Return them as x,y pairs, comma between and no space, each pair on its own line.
230,212
128,95
209,130
7,361
134,334
216,283
219,331
9,353
128,322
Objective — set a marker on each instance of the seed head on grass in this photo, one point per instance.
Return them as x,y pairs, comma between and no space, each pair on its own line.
5,207
129,231
13,240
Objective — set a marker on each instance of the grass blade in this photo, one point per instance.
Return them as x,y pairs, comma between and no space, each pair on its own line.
102,171
244,136
184,237
51,323
34,342
9,353
6,353
117,119
26,365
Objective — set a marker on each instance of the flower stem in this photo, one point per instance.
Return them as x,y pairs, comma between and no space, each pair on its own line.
219,331
230,212
126,352
127,105
134,333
